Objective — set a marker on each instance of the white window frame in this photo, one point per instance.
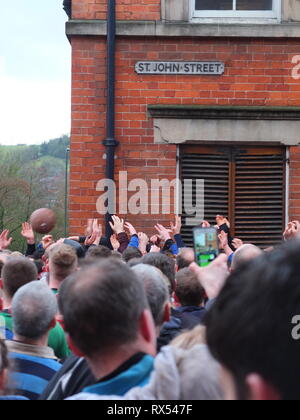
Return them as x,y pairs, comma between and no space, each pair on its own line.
234,16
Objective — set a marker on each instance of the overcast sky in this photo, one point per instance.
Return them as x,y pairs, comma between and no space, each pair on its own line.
35,71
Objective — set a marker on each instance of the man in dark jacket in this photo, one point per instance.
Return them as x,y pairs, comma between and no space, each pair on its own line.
190,311
190,296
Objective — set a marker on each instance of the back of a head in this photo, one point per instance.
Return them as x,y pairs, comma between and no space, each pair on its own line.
185,258
16,273
244,254
165,264
98,253
250,326
117,255
63,261
34,306
156,287
188,288
131,253
102,305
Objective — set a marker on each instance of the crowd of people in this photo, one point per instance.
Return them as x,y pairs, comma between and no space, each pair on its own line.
130,317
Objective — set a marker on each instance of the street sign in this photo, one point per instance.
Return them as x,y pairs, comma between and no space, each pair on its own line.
180,67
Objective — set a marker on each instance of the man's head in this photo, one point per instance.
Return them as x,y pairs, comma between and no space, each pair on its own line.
251,328
157,292
244,254
131,253
185,258
98,253
16,273
189,291
34,308
63,261
165,264
105,309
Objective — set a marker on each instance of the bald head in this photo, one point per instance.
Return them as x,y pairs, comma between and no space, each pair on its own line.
185,258
244,254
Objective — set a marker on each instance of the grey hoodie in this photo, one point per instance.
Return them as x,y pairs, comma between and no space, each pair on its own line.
178,375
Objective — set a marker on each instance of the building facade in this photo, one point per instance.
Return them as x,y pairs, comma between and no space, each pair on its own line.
201,93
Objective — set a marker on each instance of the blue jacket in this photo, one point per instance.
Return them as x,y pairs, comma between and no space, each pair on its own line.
134,241
136,375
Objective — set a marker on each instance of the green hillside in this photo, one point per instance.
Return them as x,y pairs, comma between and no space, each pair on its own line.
32,177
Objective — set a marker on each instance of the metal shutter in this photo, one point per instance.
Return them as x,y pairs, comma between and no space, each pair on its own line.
214,169
245,184
259,196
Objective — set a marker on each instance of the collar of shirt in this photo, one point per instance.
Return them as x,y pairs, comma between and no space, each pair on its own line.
30,350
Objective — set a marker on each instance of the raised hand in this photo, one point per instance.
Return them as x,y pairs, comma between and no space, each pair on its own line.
131,228
27,233
114,242
163,232
89,227
90,240
221,220
213,277
143,242
95,236
117,225
5,241
292,231
176,228
205,224
237,243
155,248
223,238
47,241
97,228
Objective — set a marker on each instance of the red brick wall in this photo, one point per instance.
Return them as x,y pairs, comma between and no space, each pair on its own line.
126,9
257,73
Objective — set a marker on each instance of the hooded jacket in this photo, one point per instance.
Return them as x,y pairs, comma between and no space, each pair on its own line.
179,375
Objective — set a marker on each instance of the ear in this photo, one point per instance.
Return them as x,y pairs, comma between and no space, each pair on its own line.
147,328
74,349
167,313
260,390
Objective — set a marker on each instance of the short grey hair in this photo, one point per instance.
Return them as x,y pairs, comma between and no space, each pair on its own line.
157,291
34,306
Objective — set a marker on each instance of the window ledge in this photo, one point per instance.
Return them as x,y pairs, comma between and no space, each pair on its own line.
256,125
183,29
225,112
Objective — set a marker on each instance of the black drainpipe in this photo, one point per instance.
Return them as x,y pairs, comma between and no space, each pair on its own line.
110,142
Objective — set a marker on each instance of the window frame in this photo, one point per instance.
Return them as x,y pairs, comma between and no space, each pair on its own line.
233,16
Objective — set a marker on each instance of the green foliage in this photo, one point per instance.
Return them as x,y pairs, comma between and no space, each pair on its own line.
31,177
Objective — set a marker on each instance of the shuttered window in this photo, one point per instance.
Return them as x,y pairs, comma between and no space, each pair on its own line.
245,184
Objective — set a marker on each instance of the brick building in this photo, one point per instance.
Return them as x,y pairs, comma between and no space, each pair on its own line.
237,129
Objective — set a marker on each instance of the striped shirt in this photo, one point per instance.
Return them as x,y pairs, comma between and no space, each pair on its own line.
32,368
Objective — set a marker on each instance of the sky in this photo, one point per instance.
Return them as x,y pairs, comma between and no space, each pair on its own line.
35,72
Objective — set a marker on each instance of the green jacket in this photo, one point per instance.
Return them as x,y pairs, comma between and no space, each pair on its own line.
57,339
